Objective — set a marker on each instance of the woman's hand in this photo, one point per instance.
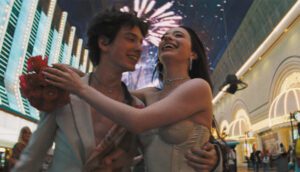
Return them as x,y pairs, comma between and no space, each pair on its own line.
63,77
77,71
202,159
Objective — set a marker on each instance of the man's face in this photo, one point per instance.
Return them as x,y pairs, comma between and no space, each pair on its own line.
125,51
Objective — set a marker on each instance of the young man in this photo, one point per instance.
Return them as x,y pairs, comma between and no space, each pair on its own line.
84,139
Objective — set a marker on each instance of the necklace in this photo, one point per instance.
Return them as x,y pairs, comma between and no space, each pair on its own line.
125,95
171,81
109,89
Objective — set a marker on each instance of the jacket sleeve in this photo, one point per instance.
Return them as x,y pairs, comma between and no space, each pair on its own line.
41,140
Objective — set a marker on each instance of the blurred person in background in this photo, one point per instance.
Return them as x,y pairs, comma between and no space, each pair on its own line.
24,137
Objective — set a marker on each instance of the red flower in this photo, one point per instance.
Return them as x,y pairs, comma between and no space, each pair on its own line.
64,97
23,85
35,102
40,94
23,82
35,80
36,64
50,93
36,93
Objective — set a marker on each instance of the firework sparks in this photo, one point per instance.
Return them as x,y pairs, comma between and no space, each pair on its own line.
160,19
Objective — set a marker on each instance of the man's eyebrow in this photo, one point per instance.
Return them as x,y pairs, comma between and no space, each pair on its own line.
130,34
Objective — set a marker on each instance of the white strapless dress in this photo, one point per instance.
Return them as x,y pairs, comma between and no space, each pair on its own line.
165,147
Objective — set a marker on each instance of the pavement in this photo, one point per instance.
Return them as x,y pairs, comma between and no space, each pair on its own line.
244,168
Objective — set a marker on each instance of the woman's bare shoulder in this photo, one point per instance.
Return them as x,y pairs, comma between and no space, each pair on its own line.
197,83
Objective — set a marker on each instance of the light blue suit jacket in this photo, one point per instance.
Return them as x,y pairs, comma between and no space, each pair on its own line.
71,128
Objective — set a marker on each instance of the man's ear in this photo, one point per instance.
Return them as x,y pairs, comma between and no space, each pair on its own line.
103,43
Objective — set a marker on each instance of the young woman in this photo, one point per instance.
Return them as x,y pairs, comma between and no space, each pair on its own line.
23,140
177,117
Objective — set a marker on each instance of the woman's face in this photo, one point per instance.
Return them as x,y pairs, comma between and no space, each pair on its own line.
175,44
26,133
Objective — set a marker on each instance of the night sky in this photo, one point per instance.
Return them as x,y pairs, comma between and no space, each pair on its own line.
215,21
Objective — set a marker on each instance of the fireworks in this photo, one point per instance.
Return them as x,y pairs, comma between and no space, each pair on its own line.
160,19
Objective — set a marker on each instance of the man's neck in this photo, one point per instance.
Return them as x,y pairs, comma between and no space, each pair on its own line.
108,81
107,77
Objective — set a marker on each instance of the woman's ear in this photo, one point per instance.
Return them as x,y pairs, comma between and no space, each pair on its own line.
193,55
103,43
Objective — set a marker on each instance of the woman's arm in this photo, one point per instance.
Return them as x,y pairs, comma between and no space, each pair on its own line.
142,93
192,97
78,71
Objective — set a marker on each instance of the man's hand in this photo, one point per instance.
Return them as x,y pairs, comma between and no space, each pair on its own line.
202,159
118,159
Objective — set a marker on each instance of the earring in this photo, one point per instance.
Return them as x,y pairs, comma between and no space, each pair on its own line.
191,64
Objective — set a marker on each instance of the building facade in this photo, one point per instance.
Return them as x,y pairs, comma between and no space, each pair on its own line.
260,115
30,28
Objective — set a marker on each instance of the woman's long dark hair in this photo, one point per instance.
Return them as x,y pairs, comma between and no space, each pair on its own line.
199,67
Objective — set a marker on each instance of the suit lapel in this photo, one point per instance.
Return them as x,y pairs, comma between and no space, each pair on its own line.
83,122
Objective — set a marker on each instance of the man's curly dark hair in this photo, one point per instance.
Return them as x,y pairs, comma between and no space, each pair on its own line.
107,24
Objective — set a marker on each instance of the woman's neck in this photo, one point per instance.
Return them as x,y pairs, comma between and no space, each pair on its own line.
173,83
175,74
174,69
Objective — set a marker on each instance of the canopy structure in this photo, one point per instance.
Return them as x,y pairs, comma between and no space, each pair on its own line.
285,103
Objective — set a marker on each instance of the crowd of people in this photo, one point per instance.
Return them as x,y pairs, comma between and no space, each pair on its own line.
281,160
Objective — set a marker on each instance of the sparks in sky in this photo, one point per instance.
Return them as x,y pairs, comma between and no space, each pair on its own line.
160,19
